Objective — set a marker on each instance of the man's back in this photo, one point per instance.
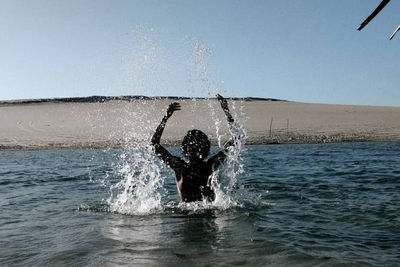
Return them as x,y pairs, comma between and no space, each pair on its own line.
192,180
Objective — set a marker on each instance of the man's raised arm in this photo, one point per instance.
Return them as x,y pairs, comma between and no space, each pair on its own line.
160,129
155,140
218,158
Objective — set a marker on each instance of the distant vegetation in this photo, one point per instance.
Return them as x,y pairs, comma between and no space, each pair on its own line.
100,99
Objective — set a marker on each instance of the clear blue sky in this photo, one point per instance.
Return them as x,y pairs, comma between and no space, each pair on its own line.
306,50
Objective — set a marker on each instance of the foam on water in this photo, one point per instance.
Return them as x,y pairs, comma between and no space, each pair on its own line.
140,191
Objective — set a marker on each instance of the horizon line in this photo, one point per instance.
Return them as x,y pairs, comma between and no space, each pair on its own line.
102,99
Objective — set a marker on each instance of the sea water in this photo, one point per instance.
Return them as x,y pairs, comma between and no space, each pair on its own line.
303,205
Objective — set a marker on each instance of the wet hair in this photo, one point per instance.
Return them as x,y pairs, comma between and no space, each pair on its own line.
195,145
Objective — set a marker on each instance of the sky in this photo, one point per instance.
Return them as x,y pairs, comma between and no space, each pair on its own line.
306,51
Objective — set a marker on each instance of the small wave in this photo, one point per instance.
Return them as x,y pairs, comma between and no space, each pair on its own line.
174,207
180,208
94,208
83,177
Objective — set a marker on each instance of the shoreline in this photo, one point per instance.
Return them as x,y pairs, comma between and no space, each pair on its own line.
119,122
127,98
306,140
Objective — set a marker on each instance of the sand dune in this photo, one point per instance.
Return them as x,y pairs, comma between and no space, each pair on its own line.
118,122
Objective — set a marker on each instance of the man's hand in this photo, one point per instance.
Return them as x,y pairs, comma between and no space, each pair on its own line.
223,102
225,108
173,107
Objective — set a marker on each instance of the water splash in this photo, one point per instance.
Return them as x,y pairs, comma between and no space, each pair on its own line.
140,190
140,186
200,82
225,180
146,64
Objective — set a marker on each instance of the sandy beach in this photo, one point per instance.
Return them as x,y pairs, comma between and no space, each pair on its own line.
117,123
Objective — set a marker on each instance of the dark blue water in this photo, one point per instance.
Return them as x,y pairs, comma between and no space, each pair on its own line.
303,205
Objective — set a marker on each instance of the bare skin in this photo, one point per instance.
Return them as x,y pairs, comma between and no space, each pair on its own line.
192,177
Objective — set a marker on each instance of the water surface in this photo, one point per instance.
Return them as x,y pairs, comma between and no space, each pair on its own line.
307,205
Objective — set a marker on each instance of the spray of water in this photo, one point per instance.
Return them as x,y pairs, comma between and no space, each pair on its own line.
225,180
140,186
146,62
139,191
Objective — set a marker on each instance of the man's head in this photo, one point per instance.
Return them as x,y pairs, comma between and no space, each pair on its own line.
195,145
